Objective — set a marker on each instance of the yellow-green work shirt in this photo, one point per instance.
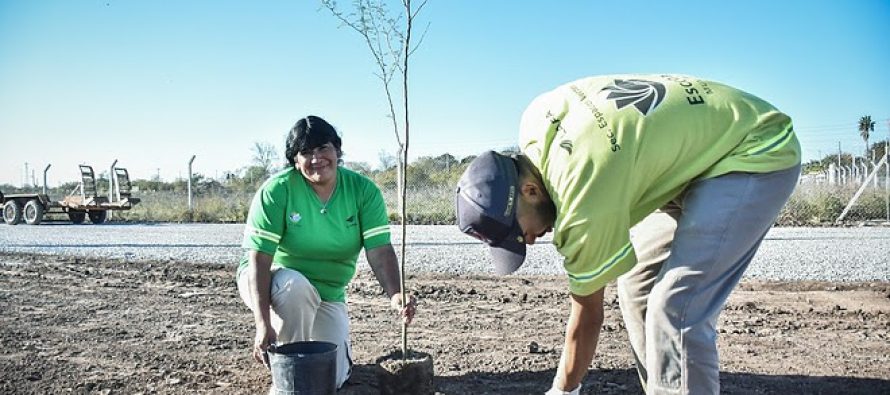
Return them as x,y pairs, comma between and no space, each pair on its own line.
612,149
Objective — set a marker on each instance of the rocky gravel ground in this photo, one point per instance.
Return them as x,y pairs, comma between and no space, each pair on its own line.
152,309
787,254
91,326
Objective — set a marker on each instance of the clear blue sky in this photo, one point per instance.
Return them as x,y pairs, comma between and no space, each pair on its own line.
151,83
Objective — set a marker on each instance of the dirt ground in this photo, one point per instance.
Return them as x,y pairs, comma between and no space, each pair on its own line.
87,326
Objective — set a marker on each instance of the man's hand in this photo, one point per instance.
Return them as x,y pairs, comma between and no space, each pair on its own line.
582,335
386,268
407,313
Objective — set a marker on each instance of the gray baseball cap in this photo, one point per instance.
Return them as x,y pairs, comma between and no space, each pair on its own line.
485,204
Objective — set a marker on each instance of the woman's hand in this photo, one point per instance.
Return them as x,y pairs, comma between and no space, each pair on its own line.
265,336
386,268
407,313
258,283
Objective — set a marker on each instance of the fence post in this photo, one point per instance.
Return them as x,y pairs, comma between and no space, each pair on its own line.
190,187
832,174
111,187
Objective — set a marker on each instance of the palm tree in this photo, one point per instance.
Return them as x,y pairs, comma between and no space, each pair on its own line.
866,126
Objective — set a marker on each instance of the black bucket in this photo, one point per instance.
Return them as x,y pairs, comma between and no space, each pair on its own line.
304,368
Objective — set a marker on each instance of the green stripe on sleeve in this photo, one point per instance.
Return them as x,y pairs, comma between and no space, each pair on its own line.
775,143
591,275
250,231
375,231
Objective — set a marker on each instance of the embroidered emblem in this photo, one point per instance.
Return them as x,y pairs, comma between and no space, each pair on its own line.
295,217
643,95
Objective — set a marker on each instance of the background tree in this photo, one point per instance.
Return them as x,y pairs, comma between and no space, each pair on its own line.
511,150
360,167
866,126
387,160
264,156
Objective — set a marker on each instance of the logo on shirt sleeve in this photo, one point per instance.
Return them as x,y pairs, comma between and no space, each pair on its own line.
643,95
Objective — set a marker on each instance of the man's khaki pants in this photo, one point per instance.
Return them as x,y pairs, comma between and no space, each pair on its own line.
299,314
691,254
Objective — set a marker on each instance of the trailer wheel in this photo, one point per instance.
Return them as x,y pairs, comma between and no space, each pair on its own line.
77,216
12,212
97,217
33,212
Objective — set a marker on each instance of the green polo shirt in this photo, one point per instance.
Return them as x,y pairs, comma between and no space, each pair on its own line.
612,149
286,221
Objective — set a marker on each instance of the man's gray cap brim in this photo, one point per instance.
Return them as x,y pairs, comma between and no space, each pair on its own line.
485,205
509,255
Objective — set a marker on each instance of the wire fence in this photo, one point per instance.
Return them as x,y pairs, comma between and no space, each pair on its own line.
820,199
841,196
846,193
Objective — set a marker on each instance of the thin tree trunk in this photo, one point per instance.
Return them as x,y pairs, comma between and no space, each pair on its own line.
404,175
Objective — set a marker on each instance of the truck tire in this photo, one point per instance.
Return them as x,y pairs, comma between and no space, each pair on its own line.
33,212
97,217
77,216
12,212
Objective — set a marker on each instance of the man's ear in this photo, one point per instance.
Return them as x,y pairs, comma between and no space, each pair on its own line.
531,191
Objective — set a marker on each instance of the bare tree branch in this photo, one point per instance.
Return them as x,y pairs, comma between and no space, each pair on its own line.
417,11
420,40
367,26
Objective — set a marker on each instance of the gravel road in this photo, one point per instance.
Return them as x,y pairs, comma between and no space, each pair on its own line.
828,254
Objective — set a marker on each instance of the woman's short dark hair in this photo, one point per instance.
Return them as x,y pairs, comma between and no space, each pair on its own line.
309,133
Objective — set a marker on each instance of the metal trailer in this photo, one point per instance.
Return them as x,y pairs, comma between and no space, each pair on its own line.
84,201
